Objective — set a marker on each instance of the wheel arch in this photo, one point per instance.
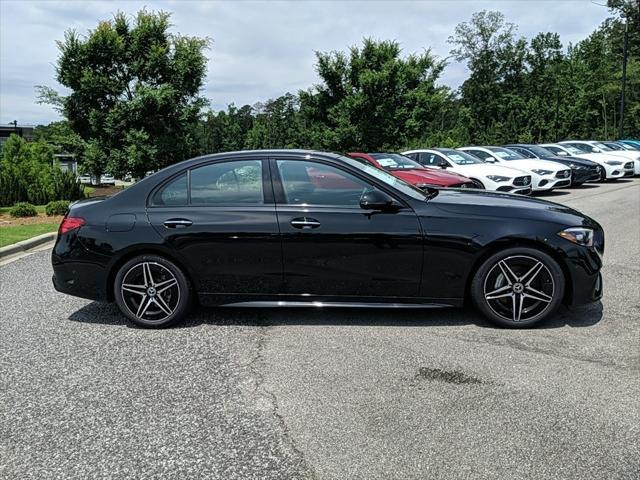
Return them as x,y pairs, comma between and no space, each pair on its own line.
144,250
501,244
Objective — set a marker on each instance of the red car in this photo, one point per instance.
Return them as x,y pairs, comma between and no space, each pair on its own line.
412,172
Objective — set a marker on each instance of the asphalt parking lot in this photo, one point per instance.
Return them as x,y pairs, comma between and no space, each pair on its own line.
329,394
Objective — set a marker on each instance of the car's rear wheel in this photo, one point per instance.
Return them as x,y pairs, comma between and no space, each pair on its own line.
518,287
152,291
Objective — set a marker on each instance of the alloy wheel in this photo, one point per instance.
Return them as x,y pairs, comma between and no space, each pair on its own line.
150,291
519,288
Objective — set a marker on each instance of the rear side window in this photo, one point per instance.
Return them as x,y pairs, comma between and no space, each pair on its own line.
173,193
227,182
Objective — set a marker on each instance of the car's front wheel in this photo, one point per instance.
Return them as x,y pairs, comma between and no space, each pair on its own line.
152,291
518,287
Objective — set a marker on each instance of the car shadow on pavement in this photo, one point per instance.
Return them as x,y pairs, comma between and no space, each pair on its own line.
552,193
109,314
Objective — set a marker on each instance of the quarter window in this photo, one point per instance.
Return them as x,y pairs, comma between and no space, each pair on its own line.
227,182
173,193
312,183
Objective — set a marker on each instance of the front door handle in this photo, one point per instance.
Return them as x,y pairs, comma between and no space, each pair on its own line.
305,223
178,223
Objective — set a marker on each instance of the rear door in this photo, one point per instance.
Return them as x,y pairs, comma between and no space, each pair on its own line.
333,247
220,219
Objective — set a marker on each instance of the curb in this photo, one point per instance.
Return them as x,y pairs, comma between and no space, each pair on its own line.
26,245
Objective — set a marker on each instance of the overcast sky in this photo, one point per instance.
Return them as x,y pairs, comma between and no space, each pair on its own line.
261,49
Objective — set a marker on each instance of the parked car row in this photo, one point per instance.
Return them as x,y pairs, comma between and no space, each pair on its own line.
514,168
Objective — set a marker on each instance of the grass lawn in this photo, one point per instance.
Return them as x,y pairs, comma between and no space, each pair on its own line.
17,233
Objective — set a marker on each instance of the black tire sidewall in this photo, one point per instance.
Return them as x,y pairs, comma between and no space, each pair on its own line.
477,286
183,283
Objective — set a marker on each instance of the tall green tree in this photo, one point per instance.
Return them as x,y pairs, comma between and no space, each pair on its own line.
373,98
135,91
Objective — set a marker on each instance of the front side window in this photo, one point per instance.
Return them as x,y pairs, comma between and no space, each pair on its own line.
173,193
480,154
523,152
227,182
313,183
431,159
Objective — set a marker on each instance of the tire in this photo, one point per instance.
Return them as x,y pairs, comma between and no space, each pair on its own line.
152,291
478,184
522,295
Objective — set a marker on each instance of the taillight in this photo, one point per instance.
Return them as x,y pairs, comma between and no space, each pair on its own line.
70,223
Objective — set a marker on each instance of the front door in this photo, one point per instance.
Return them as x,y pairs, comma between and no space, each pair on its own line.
333,247
221,221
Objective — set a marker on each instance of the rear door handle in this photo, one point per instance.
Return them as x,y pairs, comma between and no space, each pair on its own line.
178,223
305,223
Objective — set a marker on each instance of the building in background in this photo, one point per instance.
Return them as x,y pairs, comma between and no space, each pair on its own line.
24,131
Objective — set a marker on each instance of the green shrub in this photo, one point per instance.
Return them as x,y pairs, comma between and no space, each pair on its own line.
57,207
23,209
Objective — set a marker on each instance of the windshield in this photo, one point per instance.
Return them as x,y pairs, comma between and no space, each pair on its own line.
603,147
395,161
505,153
615,146
461,158
385,177
540,151
573,150
581,148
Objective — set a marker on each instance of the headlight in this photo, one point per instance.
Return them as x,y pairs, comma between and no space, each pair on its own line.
613,162
541,172
578,235
498,178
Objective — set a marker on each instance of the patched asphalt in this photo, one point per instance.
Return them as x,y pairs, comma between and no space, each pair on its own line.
296,393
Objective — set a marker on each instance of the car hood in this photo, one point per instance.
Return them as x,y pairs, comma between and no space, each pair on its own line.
527,164
629,155
434,177
488,204
484,169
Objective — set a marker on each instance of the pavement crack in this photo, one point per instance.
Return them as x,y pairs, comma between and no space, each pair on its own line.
256,367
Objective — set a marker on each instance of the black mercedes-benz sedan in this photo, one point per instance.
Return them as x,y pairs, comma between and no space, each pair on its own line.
291,227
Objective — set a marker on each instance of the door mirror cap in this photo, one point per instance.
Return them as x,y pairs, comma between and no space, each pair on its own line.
378,200
443,164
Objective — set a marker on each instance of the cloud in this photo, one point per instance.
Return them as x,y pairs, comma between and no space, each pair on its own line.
261,49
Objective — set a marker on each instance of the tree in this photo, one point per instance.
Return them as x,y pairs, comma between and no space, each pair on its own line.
373,98
495,58
135,91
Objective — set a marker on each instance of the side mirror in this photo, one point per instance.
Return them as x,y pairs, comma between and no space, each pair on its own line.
378,200
443,164
490,160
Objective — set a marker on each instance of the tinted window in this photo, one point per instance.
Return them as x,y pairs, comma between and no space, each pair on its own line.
556,150
431,159
522,152
173,193
479,153
312,183
227,182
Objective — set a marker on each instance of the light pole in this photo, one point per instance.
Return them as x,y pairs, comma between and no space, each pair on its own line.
624,77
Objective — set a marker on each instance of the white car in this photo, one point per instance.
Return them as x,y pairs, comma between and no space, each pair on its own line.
545,175
84,179
484,175
613,167
592,146
107,179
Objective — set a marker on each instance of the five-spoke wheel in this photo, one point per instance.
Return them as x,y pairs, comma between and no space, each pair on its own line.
518,287
151,291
